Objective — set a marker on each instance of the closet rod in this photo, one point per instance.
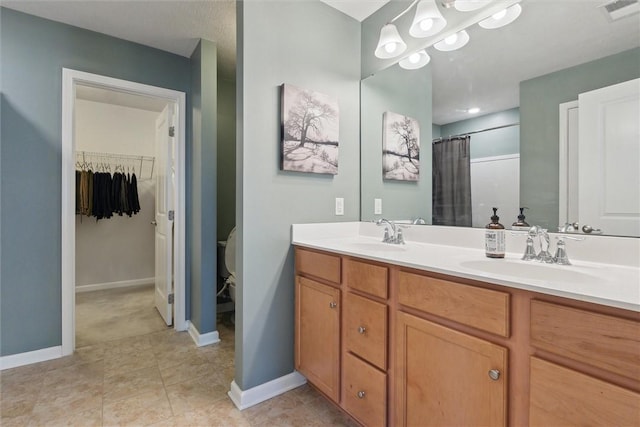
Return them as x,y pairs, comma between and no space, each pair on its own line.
117,158
438,140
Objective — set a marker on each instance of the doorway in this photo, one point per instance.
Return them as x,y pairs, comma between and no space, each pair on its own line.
168,175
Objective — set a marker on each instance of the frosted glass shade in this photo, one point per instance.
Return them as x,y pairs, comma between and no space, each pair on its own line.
470,5
415,60
501,19
452,43
390,44
428,20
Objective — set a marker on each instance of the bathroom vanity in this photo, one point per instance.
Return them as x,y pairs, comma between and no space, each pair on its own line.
428,334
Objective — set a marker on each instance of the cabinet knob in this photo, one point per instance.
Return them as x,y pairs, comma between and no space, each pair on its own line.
494,374
333,304
361,330
361,394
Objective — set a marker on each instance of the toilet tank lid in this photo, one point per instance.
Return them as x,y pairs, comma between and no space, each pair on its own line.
230,252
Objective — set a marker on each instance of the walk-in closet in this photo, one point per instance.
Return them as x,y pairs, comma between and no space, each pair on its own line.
116,171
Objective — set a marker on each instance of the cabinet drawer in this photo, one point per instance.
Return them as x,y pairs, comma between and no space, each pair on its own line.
368,278
365,392
607,342
483,309
321,265
365,324
561,396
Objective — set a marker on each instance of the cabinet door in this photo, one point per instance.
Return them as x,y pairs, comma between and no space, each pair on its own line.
561,396
444,377
318,335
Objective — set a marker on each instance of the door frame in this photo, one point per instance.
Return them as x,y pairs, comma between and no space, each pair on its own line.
70,79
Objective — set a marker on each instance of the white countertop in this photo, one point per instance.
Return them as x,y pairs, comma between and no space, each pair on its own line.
615,285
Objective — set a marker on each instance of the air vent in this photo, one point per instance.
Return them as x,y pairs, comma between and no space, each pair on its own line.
619,9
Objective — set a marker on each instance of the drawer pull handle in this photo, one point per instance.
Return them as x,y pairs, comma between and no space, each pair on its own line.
333,304
361,394
362,330
494,374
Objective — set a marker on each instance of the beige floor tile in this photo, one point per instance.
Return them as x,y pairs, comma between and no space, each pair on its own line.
190,395
56,404
75,376
20,421
220,413
192,367
144,409
88,418
121,363
122,386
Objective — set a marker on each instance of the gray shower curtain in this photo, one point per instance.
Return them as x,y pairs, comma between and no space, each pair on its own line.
451,192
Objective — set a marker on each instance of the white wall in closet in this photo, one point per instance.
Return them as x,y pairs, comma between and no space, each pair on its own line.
119,250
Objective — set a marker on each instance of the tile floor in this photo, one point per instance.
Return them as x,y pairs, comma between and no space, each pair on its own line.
157,378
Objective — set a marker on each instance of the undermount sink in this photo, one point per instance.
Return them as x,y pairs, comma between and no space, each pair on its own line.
531,270
377,247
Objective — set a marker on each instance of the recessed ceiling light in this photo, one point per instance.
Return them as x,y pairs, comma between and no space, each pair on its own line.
474,110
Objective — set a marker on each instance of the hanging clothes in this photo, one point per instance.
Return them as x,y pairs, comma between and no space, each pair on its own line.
103,195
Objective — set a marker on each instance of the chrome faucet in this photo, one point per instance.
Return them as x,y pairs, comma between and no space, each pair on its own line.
544,255
395,236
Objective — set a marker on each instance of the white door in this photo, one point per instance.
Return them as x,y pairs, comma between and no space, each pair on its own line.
609,159
164,220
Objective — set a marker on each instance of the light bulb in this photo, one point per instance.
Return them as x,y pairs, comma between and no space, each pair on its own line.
414,58
451,39
499,15
390,47
426,24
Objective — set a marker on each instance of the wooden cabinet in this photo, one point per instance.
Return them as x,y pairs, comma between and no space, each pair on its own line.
447,378
562,397
318,335
561,391
365,327
365,391
402,347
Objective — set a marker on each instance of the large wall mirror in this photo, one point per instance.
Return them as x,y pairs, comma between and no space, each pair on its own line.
520,77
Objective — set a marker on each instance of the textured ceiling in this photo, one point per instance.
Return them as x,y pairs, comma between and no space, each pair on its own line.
169,25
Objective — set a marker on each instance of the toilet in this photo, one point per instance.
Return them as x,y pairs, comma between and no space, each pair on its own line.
230,263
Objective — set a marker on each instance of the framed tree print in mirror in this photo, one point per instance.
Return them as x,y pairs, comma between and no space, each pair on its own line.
400,147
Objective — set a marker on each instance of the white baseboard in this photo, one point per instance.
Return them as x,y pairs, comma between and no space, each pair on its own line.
21,359
202,339
253,396
114,285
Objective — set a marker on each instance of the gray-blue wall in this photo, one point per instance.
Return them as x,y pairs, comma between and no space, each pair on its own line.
406,92
540,126
203,155
310,45
226,176
33,52
497,142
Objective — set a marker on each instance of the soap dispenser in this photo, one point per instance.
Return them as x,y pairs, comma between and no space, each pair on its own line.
494,237
521,224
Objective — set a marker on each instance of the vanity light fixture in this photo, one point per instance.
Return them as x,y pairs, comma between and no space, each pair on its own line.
428,20
416,60
390,44
453,42
470,5
501,18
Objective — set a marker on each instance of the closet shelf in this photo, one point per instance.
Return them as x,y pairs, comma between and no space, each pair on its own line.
143,166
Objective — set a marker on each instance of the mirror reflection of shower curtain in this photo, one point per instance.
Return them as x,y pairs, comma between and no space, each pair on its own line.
451,188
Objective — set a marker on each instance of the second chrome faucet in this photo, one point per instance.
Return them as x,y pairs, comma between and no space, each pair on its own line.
393,236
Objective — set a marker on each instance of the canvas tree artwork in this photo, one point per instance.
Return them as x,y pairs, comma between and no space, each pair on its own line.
310,124
400,147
